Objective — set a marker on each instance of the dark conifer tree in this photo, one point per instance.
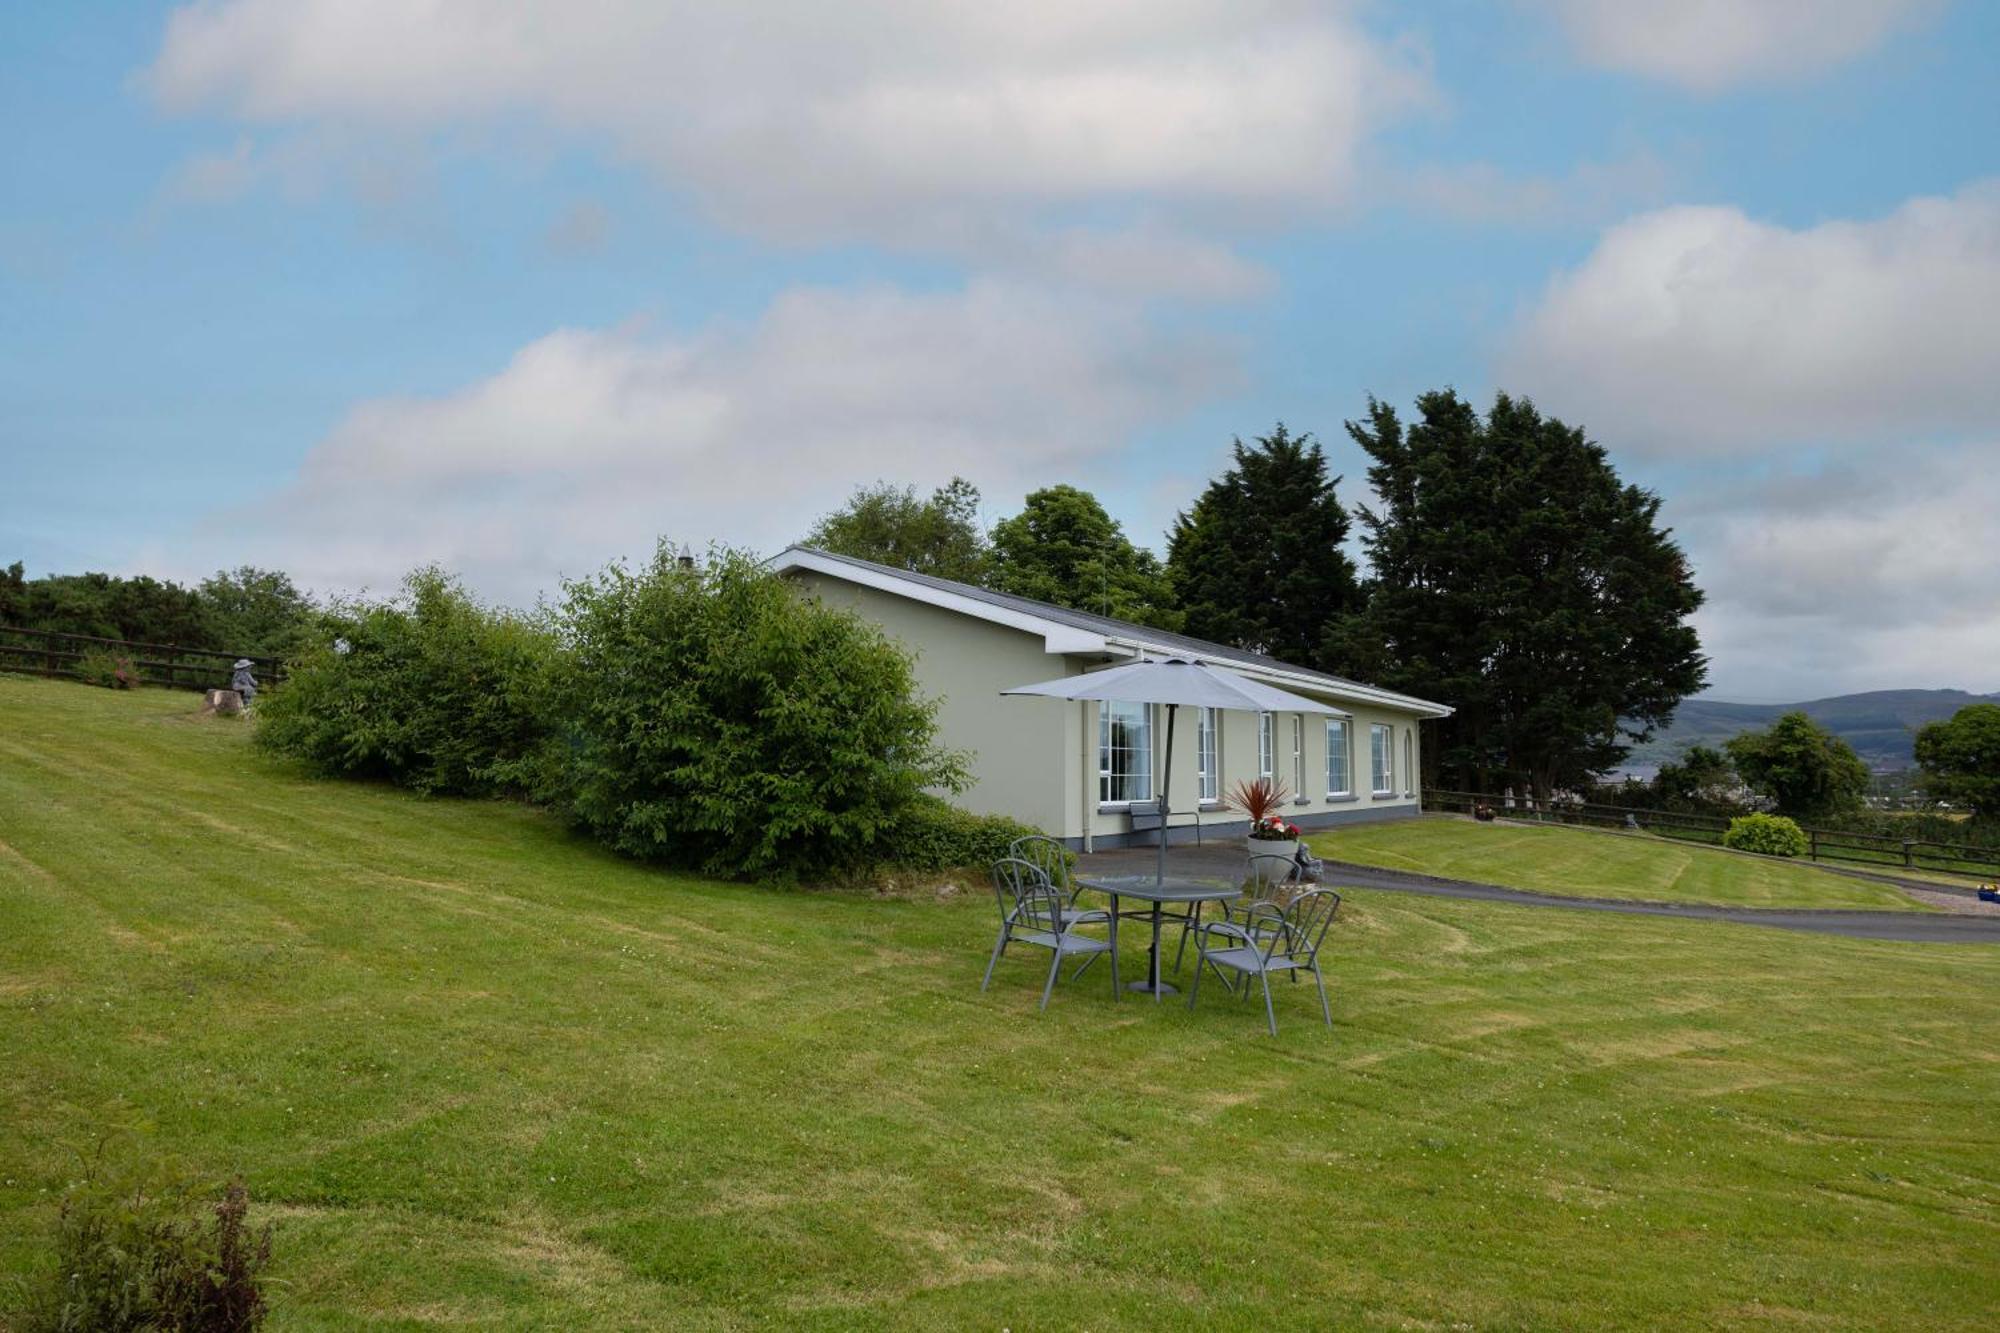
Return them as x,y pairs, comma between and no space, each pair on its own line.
1257,561
1516,578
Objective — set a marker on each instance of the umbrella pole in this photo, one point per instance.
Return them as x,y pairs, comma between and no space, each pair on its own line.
1166,780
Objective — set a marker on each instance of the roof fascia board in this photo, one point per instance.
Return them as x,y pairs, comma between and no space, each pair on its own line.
1061,639
1057,637
1355,693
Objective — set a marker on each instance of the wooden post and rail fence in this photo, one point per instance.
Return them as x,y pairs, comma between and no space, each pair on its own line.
38,652
1861,850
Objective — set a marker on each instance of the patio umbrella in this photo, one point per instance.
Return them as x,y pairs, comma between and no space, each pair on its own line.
1174,681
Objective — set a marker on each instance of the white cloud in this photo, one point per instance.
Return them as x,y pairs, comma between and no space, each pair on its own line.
1708,45
590,443
1870,572
793,119
1700,331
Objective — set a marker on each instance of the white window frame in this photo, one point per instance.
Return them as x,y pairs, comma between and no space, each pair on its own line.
1298,756
1382,759
1409,761
1207,756
1266,743
1344,750
1106,771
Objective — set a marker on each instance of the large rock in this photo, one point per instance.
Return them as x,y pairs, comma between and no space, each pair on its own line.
226,702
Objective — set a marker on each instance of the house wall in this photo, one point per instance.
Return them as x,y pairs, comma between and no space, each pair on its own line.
1036,759
1020,746
1310,808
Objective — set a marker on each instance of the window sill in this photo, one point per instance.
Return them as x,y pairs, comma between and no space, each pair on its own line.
1303,800
1383,795
1210,807
1342,798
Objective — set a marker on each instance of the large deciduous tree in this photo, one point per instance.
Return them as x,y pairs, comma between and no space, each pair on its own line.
893,525
1960,758
1257,560
1810,772
1517,578
257,611
1063,548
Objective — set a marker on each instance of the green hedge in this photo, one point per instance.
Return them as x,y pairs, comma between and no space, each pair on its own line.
1768,835
936,835
716,718
431,691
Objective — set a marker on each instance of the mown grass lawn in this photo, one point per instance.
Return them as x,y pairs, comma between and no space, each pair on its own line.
1598,863
484,1076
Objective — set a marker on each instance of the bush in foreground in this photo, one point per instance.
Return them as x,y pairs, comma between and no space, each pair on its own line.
934,834
431,691
715,718
1767,835
140,1251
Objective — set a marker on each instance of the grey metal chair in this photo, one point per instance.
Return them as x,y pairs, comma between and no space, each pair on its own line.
1266,872
1032,911
1052,859
1270,939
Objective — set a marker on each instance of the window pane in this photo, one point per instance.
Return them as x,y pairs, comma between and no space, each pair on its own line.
1336,758
1124,753
1205,756
1379,752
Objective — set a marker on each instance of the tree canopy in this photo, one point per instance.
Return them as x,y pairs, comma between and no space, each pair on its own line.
1807,770
1063,548
254,611
1516,577
1960,758
1257,560
893,525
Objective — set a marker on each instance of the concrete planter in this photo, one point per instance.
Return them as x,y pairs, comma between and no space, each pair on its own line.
1285,847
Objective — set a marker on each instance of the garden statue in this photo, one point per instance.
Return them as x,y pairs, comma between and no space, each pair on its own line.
243,682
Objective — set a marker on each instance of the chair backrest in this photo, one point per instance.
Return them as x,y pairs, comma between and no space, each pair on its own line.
1298,927
1267,871
1026,897
1046,855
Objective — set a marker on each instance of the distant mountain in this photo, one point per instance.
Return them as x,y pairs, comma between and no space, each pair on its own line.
1881,725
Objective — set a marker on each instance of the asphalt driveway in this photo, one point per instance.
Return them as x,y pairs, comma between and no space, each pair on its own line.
1225,861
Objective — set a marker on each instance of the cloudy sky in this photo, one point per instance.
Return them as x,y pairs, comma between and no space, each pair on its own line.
343,286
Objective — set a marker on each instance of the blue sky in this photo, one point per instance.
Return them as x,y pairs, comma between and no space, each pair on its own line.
344,287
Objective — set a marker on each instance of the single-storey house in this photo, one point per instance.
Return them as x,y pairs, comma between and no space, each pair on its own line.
1078,770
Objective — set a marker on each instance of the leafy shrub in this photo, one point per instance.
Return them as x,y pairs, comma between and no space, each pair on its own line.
716,718
100,666
933,834
1770,835
432,691
134,1251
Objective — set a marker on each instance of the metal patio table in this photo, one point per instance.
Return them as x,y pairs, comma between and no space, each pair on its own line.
1158,892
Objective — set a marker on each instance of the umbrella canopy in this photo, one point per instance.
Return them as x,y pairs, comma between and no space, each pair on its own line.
1177,680
1174,681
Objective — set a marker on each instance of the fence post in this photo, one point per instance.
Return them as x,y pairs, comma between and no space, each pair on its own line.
1908,859
1812,844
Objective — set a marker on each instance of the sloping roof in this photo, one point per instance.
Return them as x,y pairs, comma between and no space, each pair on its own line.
1067,630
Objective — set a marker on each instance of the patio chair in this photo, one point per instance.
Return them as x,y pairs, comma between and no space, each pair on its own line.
1267,871
1032,912
1052,859
1270,939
